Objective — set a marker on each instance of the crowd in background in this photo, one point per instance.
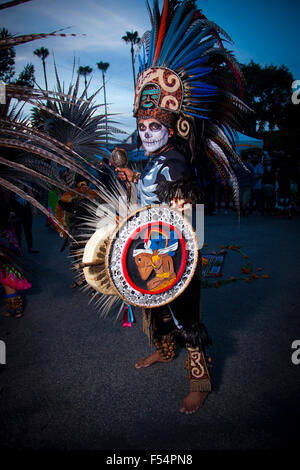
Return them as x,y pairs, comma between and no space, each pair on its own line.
270,184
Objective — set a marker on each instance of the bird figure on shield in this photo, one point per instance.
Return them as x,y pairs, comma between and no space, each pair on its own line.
157,255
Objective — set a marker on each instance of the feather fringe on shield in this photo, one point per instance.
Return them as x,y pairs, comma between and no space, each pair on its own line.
115,209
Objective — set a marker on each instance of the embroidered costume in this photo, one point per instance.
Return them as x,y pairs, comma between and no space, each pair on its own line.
188,103
169,165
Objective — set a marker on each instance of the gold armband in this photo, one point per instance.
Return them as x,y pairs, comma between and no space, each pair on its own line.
135,177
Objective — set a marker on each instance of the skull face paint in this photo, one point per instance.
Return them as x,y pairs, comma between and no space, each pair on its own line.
153,134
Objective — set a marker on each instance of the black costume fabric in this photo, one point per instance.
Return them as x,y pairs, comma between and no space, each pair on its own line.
168,166
168,176
168,172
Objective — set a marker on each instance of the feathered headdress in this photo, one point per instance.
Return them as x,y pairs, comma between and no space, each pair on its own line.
190,82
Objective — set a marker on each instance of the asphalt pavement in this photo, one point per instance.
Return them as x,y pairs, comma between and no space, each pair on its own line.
69,382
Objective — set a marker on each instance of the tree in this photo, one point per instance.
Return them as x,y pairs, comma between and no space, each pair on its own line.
26,77
7,59
268,92
103,66
84,71
83,127
7,65
28,151
43,53
132,38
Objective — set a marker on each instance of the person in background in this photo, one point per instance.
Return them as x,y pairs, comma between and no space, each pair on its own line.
22,214
265,158
70,212
257,183
12,278
268,187
209,191
245,180
220,193
283,186
53,195
296,188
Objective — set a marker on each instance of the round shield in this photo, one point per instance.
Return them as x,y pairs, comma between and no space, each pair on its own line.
152,256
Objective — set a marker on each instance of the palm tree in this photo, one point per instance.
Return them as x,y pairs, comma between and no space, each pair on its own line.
85,71
29,150
26,77
43,53
132,38
103,66
7,58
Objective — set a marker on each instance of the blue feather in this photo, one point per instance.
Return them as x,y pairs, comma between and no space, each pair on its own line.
205,94
152,41
173,26
196,115
202,85
197,70
191,101
201,60
141,64
190,46
168,46
144,57
193,55
196,109
203,71
151,47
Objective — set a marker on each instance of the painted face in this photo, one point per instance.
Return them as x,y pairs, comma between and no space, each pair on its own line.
150,97
144,264
153,134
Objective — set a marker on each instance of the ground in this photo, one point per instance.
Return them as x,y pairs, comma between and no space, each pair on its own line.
70,380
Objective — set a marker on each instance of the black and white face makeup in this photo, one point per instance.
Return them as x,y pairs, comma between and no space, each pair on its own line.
153,134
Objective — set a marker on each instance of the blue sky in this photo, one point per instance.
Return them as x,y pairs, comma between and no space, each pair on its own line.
263,30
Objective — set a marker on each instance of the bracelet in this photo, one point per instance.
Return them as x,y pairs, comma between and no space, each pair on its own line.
135,177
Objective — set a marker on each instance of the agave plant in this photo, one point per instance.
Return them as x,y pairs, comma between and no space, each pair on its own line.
76,121
67,131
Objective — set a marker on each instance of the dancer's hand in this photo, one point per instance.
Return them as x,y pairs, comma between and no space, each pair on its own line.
125,174
182,205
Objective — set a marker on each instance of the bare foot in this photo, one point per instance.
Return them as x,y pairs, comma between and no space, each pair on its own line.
148,361
192,402
14,315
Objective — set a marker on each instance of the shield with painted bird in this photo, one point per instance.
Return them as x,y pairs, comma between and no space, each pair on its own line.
152,256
